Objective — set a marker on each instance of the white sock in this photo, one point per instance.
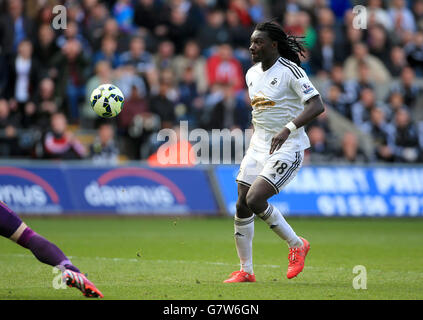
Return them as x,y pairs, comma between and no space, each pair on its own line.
244,233
273,217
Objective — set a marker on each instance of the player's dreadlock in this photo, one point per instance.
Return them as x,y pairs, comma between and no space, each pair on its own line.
288,46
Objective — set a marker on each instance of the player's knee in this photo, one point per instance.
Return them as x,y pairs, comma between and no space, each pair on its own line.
242,210
254,202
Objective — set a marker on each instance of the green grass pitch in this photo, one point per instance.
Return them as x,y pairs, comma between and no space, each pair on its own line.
188,258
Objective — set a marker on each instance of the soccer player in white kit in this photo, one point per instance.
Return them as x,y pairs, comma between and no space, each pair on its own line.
283,101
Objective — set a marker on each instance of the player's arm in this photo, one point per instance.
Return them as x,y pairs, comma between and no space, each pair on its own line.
312,108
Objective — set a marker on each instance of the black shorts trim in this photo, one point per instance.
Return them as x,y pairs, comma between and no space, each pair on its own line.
243,183
270,182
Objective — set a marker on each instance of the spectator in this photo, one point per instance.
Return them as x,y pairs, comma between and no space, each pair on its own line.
350,151
140,59
292,23
46,103
46,92
348,94
135,104
325,17
126,78
239,34
310,34
124,14
379,44
4,69
71,69
192,58
362,109
179,30
222,67
213,32
406,142
146,14
320,150
97,16
29,116
401,17
225,113
339,8
377,15
108,52
256,11
15,26
165,56
45,48
364,80
72,32
8,131
325,54
196,13
162,105
151,15
335,100
414,53
351,37
407,87
103,151
111,29
136,123
397,61
23,75
189,96
241,9
378,72
395,103
418,13
60,143
381,132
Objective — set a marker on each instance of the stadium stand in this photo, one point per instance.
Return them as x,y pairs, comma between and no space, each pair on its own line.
185,60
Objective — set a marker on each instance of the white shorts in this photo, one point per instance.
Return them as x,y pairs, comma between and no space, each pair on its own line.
278,169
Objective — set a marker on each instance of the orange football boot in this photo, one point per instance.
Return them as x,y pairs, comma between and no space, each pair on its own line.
240,276
78,280
296,259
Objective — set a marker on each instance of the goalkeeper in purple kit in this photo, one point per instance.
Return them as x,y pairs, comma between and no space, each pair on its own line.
12,227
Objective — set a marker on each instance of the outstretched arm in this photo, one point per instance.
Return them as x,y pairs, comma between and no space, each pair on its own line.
312,108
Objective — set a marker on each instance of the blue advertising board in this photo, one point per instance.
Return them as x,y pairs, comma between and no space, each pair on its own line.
133,190
122,190
34,190
341,191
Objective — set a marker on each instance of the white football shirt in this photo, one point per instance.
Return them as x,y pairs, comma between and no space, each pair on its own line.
277,97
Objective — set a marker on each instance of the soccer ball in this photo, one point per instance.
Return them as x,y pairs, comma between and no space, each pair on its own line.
107,100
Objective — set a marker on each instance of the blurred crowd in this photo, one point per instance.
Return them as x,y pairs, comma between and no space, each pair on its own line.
180,60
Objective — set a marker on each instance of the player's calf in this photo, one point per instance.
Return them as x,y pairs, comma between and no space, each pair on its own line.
12,227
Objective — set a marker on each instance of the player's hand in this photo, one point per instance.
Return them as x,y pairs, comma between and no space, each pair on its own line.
279,139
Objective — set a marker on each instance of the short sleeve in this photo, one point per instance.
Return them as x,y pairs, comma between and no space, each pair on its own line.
246,77
302,86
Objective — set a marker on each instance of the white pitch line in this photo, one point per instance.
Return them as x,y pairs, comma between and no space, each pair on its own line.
273,266
19,255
